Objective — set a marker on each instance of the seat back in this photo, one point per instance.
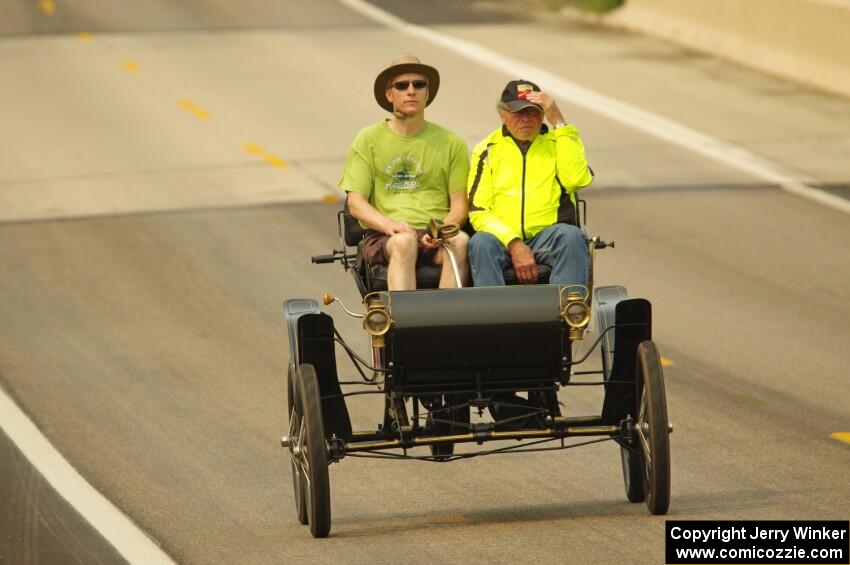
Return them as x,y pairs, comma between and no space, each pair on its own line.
568,213
352,231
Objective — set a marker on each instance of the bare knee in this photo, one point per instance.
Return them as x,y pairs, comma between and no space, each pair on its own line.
459,243
403,247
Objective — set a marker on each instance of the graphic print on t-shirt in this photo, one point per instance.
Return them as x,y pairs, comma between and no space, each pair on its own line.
404,172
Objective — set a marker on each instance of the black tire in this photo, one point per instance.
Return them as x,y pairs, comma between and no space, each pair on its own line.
633,463
298,483
314,453
459,414
651,428
442,450
290,388
632,459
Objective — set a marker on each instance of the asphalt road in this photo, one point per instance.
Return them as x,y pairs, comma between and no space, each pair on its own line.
167,168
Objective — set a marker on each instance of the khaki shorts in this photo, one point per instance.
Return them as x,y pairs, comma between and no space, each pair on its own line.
375,249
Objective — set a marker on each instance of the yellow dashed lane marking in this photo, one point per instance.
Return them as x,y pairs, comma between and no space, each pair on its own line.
47,6
666,362
275,161
254,149
841,436
85,36
269,158
130,66
199,112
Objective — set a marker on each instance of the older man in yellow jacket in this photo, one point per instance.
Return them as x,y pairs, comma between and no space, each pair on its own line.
522,184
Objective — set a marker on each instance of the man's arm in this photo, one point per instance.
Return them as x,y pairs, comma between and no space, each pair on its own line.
358,180
363,211
573,170
456,182
458,208
458,212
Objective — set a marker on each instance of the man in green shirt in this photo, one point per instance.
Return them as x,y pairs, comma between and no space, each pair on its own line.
402,172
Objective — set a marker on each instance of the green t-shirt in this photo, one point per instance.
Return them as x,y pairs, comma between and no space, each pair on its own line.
407,178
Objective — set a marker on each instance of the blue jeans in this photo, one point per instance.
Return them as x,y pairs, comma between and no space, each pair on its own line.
560,246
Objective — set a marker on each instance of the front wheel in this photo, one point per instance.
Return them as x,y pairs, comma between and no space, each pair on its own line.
651,428
633,474
313,453
298,481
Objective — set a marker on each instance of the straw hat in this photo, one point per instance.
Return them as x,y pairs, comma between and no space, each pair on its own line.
405,64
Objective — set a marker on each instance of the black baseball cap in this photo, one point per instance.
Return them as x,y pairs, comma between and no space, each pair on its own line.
513,96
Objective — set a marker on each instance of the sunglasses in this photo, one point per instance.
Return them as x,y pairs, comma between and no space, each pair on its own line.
403,85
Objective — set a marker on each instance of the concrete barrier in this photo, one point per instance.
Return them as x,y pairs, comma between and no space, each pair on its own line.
803,40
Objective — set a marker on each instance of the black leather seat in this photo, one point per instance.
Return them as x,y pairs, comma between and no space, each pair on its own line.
428,276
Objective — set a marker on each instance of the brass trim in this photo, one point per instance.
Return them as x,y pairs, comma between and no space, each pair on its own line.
565,298
380,331
439,230
378,302
585,316
571,299
483,437
443,439
380,297
328,299
370,445
593,430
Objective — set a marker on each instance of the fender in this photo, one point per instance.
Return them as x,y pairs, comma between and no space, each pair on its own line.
292,310
605,300
316,345
634,325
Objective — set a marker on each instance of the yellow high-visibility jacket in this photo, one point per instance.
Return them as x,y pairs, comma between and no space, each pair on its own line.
516,194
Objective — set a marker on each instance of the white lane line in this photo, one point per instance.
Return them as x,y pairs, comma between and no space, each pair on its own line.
632,116
112,524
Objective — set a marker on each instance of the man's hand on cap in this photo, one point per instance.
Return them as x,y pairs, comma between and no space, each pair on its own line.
550,107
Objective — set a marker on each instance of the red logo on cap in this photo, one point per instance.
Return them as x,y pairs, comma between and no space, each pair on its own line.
522,91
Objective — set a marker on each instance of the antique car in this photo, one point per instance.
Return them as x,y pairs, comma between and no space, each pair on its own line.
473,366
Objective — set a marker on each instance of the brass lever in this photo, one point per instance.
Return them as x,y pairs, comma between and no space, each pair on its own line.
441,232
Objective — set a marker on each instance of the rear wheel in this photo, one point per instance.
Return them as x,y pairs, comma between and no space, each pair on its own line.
450,417
631,457
298,482
651,428
313,453
632,474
